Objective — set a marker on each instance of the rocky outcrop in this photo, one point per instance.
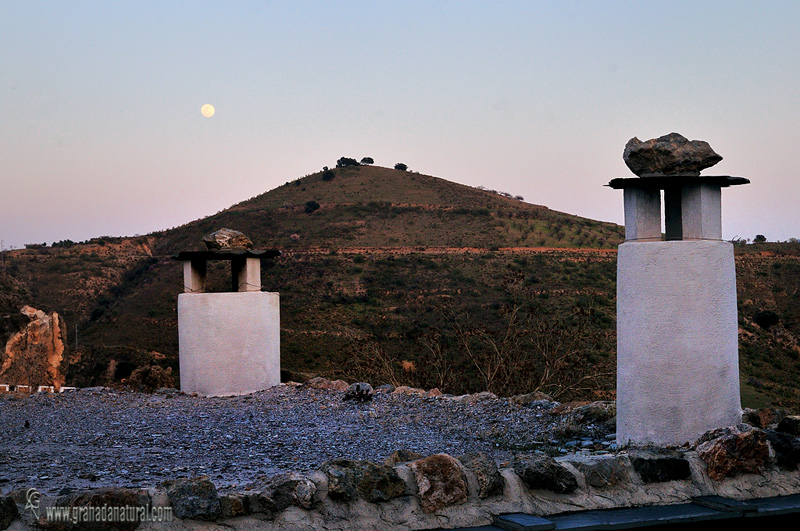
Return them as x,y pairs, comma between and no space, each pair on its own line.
671,154
33,356
227,240
440,482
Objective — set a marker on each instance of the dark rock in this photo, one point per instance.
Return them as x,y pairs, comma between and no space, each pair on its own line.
790,425
670,154
723,432
735,452
602,470
194,498
103,497
490,482
542,472
401,456
763,417
348,479
359,392
227,239
380,483
342,479
8,511
526,399
440,482
282,491
600,411
786,447
656,469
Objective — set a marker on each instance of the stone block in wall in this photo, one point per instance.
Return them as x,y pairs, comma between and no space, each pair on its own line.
542,472
349,479
402,456
602,470
657,469
490,482
790,425
104,497
282,491
734,452
194,498
786,447
8,511
440,482
233,505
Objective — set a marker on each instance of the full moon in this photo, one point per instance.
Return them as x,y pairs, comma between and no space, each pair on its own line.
207,110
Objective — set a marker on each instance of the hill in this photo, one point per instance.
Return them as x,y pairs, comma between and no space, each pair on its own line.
403,278
371,206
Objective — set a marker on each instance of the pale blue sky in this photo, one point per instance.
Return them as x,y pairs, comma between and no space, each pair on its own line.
102,133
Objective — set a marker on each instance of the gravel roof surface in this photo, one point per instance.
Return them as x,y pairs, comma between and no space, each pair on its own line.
100,437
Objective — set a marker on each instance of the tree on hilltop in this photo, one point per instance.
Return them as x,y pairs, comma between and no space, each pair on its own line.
400,166
346,161
367,160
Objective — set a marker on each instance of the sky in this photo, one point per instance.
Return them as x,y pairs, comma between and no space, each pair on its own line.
101,131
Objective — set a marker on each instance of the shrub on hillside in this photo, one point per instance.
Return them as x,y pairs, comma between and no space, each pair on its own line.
400,166
311,206
327,174
766,319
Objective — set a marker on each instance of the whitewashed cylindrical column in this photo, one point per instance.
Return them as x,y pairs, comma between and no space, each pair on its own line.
677,341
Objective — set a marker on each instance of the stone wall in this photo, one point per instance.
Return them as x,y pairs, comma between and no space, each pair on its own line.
440,491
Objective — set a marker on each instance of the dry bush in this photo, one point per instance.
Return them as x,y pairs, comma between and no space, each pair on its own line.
528,349
521,348
151,377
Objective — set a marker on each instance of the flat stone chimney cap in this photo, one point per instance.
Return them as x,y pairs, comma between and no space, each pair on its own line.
226,255
675,181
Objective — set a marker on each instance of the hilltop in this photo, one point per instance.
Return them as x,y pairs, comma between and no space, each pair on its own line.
371,206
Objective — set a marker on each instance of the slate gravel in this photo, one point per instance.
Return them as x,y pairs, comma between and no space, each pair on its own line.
100,437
